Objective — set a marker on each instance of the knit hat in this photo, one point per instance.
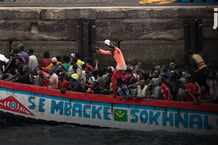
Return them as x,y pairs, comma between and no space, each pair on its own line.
21,47
75,76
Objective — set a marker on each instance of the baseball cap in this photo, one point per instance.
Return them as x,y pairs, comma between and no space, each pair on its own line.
54,59
107,42
75,76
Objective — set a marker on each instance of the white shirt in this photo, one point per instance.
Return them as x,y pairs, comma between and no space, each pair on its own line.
33,62
53,81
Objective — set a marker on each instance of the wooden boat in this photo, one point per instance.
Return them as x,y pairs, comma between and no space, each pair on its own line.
40,103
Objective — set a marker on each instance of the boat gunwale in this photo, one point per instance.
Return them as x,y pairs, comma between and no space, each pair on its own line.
210,107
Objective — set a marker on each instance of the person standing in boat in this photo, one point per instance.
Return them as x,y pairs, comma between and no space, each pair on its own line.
23,53
118,57
33,61
197,68
46,59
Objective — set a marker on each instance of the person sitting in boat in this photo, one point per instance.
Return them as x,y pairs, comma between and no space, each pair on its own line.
53,80
122,90
40,77
75,68
60,69
156,89
179,92
142,89
77,59
171,81
205,95
17,69
211,82
154,73
191,89
25,77
62,82
165,72
95,88
11,66
54,63
46,59
89,80
66,63
89,63
106,77
128,75
215,96
132,77
76,84
165,91
59,58
172,66
121,64
137,71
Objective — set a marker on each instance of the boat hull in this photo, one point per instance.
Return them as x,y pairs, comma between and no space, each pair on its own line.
31,102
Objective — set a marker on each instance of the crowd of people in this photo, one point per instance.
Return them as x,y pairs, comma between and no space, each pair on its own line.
195,83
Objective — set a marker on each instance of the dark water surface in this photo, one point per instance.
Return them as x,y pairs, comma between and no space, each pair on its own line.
17,133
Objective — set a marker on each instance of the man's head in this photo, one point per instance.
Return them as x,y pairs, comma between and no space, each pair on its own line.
31,51
20,47
61,76
54,60
18,61
188,78
108,43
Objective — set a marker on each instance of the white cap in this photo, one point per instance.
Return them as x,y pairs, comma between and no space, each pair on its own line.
54,59
107,42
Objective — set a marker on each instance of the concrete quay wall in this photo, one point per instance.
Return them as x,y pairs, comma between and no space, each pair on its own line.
152,35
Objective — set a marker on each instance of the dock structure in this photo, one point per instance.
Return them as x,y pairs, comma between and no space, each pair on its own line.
153,34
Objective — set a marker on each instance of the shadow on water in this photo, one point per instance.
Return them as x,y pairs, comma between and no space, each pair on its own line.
5,123
19,133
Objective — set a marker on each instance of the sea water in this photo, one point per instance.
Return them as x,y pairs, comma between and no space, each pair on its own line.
19,133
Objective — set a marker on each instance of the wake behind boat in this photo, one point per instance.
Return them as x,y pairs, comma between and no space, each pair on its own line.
40,103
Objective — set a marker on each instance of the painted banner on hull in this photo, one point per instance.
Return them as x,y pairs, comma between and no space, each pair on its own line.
147,118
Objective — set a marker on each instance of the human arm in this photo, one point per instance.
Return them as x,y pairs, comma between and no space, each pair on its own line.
103,51
48,67
140,68
169,94
96,64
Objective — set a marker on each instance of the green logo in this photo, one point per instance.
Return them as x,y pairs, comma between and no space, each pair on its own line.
120,115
